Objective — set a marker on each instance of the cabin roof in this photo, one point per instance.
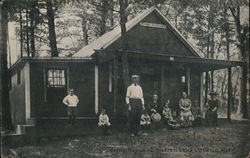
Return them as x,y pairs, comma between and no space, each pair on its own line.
110,37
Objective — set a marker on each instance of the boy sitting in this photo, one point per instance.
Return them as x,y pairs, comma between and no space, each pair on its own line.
104,123
145,121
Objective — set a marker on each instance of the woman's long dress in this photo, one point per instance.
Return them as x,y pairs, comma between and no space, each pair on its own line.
186,115
211,116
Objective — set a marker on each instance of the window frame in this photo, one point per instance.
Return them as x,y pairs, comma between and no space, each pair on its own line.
45,73
65,76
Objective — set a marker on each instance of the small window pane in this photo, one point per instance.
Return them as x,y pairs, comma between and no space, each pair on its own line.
56,78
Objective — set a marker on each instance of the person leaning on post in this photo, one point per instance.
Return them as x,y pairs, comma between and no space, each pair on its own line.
135,103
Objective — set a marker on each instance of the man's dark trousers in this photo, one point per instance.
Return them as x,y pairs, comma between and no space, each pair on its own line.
135,115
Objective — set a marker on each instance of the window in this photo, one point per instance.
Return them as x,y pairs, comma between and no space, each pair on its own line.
19,77
183,79
56,78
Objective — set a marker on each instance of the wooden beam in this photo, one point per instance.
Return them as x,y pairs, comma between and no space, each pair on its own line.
243,90
188,79
115,84
230,99
162,83
110,77
26,77
45,84
96,89
201,93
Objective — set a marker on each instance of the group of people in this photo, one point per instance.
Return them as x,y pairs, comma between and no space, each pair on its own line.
141,117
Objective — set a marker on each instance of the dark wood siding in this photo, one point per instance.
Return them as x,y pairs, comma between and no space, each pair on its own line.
154,40
17,98
80,78
105,97
195,80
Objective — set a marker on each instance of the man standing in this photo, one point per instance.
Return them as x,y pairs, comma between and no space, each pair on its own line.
71,101
135,102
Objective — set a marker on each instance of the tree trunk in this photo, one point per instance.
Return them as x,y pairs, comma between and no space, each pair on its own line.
111,15
229,83
85,31
229,92
21,33
212,51
32,31
27,35
52,33
207,74
104,14
4,74
242,32
123,20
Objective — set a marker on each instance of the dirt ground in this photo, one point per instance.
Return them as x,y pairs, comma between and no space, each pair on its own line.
228,140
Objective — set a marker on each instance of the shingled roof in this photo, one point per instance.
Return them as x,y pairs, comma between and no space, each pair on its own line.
108,38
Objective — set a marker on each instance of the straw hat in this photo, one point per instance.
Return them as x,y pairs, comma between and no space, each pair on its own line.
156,117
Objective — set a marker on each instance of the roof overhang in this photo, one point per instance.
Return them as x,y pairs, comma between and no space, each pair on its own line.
200,64
20,62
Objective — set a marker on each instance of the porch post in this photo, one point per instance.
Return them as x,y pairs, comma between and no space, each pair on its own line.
243,92
162,83
96,89
188,79
27,89
110,77
201,92
229,101
115,84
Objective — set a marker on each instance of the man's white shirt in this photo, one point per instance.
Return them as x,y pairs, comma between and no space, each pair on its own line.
135,92
71,100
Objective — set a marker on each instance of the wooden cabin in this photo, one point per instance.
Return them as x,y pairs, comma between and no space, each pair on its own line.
165,61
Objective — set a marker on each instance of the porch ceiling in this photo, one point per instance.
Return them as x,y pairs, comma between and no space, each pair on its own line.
201,64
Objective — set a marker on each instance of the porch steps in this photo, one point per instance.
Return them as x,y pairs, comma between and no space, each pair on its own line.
60,126
39,128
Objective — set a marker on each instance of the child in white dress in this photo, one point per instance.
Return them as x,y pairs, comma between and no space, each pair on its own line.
145,121
104,123
170,122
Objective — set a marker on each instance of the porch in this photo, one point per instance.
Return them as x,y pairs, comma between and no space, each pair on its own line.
162,74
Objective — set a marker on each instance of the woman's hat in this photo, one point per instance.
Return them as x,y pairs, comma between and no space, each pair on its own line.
213,93
134,76
156,117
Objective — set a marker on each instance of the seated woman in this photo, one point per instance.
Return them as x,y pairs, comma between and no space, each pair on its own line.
154,105
211,114
155,112
186,116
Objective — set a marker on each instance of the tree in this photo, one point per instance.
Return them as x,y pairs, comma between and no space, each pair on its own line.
52,32
4,73
242,30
